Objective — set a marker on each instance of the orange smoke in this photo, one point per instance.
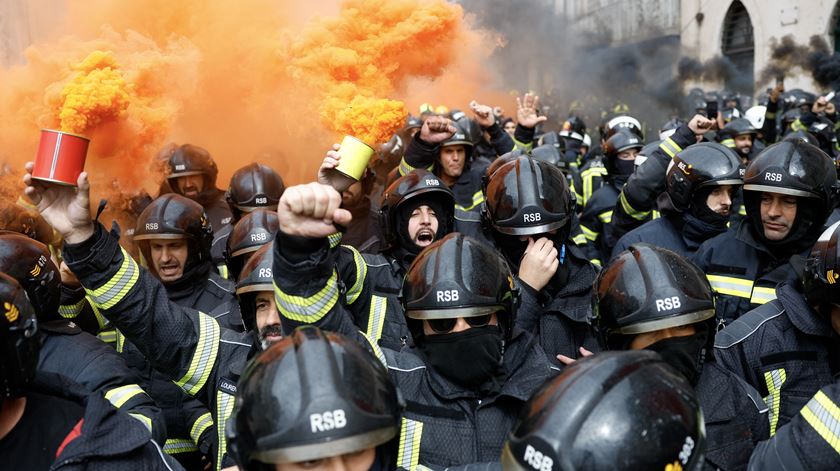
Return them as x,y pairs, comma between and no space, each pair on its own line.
275,81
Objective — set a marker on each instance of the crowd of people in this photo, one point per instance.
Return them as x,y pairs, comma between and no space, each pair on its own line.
491,294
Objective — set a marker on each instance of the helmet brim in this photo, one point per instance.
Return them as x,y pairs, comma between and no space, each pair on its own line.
185,174
457,143
451,313
530,230
666,323
256,287
780,190
325,449
160,236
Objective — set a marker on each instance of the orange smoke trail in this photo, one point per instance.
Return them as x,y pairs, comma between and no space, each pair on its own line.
98,92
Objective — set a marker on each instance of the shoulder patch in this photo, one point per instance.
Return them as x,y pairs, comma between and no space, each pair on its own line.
227,386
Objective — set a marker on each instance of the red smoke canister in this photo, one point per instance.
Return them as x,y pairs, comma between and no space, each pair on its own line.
60,158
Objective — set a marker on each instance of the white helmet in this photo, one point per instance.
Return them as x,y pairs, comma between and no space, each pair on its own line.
755,116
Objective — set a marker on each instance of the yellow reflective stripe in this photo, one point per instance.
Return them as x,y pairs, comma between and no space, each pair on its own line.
824,416
522,145
477,199
769,116
742,210
119,396
411,432
638,215
200,425
308,309
223,270
728,143
774,379
361,273
762,295
731,286
204,356
655,214
120,338
380,355
173,446
334,239
143,420
224,408
579,239
606,217
587,189
109,336
376,318
405,169
588,233
112,292
798,126
70,311
595,261
100,319
670,147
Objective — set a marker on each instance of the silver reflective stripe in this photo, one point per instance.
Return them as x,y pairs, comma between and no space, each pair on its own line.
224,408
411,432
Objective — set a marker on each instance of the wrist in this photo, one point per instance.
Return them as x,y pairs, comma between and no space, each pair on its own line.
79,234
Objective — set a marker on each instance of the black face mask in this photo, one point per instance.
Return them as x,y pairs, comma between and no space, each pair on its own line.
470,358
685,354
624,167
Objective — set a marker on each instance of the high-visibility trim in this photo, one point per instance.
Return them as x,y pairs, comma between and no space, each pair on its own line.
405,168
632,212
143,420
731,286
204,356
100,319
774,379
762,295
308,308
70,311
376,318
108,336
742,210
120,341
606,216
670,147
174,446
200,426
112,292
579,239
823,415
728,143
361,273
119,396
224,408
477,199
408,456
595,261
798,126
588,233
521,145
377,350
223,270
334,239
768,115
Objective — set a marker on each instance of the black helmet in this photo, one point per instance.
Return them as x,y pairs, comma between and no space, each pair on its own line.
172,216
253,231
19,342
188,160
417,188
788,118
255,276
309,396
253,186
412,122
553,139
16,218
460,138
549,154
670,127
573,129
798,169
803,136
701,165
527,197
497,164
28,261
737,127
647,288
459,276
616,411
618,142
628,123
822,269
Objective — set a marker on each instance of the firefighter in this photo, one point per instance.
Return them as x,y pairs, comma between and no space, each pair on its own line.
255,292
789,191
50,422
469,370
788,348
65,348
638,197
619,159
333,407
529,213
739,135
563,426
653,299
192,173
252,187
701,183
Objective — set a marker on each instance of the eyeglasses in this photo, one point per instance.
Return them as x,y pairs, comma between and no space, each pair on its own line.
443,326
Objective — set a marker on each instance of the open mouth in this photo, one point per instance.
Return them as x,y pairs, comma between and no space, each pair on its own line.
169,270
424,237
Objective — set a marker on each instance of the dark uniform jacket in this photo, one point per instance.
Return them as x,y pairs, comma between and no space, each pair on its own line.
784,349
98,369
443,425
186,345
596,223
562,321
808,441
105,438
742,271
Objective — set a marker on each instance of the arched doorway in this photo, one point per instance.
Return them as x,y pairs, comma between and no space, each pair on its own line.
738,45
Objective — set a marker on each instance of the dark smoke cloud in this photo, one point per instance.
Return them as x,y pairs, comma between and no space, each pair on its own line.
815,58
